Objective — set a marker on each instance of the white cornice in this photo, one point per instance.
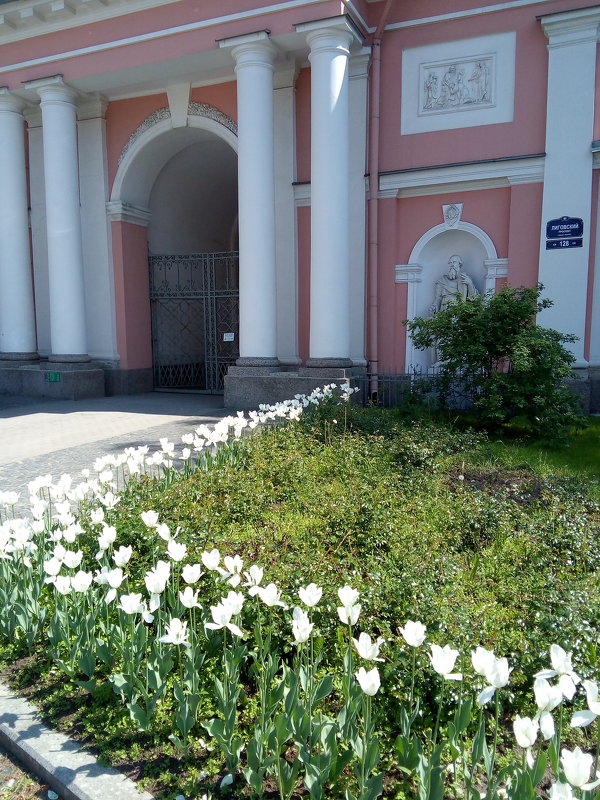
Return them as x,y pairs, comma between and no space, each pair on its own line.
454,15
463,177
21,20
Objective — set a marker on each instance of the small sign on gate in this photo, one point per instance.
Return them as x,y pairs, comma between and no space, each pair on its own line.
229,337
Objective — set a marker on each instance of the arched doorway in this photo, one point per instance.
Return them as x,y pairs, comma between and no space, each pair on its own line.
193,260
185,181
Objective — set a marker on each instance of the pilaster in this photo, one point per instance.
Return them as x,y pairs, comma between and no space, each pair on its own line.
572,41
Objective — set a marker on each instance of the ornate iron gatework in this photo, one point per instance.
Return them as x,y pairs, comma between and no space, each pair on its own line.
194,301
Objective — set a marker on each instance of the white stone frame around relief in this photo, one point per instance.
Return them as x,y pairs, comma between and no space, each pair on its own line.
497,50
411,273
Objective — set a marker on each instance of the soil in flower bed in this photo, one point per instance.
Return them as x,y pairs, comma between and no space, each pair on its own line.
17,783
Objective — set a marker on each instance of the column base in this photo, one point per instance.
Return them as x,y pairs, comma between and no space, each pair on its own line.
10,360
67,361
246,388
257,361
36,380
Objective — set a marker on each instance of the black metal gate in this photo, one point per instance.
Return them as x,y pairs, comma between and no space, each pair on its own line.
194,301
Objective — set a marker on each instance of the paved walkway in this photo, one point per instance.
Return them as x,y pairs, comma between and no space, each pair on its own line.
55,436
38,437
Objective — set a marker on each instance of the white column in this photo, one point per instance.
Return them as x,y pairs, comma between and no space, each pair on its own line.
17,319
63,223
572,40
253,56
329,43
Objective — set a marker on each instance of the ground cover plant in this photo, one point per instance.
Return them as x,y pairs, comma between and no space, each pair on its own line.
314,610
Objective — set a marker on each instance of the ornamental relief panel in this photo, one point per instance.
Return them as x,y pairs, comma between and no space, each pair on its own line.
457,85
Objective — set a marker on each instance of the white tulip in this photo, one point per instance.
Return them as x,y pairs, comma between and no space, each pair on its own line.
369,681
413,633
192,573
443,660
310,595
189,598
481,659
150,518
270,595
301,626
176,633
348,596
176,550
349,614
368,649
211,560
563,670
122,555
81,581
525,731
131,603
582,718
577,766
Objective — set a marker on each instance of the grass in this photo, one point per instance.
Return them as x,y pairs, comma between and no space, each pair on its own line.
579,456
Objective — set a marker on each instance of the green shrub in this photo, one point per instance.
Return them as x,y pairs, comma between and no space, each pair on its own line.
494,356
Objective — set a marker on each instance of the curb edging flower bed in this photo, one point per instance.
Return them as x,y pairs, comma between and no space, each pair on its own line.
55,758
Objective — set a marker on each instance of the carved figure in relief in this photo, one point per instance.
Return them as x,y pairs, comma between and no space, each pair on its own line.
454,283
431,90
450,95
480,78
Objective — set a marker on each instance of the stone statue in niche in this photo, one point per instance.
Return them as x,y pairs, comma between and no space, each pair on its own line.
454,285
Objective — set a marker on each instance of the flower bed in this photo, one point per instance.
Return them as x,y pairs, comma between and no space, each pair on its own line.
285,687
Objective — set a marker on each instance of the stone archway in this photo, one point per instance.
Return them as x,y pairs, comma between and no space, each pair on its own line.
428,262
174,196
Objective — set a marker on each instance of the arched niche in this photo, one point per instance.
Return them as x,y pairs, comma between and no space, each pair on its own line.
429,261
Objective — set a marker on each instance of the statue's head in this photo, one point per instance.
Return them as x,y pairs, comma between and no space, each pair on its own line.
454,263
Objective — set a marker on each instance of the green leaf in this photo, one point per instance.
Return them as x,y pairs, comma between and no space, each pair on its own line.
324,689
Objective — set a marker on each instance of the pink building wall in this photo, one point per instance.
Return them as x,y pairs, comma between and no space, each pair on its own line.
132,295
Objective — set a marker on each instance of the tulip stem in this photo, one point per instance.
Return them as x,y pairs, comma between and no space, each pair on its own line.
496,718
439,714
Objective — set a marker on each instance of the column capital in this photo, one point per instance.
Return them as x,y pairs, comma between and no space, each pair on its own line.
92,107
10,102
331,34
53,90
251,49
567,28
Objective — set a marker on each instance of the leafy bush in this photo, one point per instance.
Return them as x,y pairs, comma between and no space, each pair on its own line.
493,353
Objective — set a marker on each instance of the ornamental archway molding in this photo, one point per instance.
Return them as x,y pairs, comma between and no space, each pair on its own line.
427,263
154,142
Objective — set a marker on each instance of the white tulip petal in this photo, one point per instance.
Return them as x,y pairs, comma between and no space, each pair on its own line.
547,725
582,718
486,695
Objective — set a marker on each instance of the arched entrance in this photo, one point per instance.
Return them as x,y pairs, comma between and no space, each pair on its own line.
185,181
